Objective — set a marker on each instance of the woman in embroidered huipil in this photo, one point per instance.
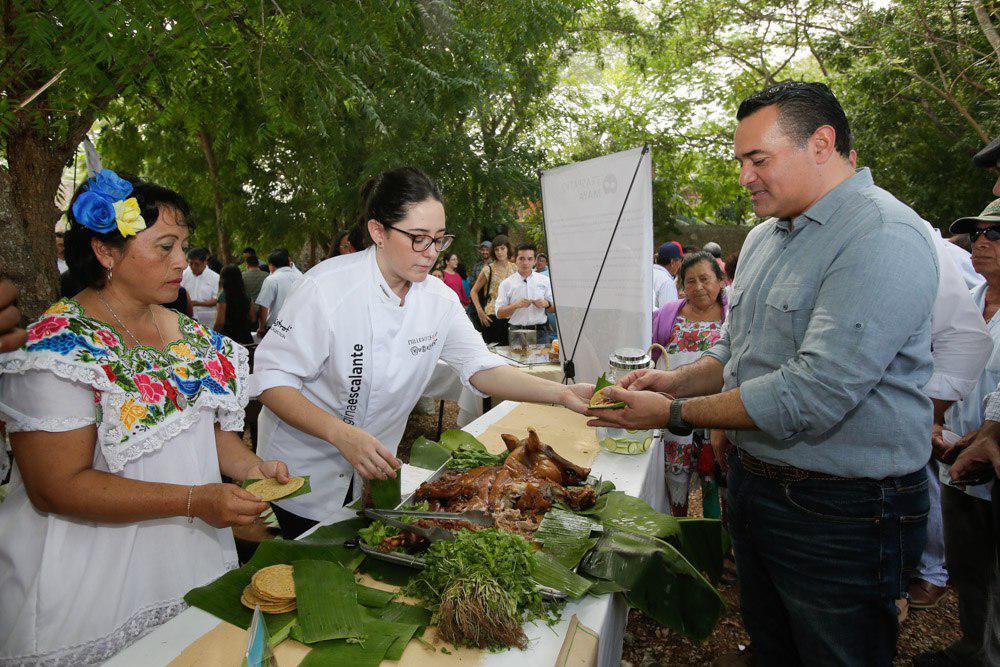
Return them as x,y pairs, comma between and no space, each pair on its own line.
123,416
687,328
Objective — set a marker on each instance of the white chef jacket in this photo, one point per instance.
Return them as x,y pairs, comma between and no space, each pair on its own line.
347,344
275,289
516,287
664,287
960,341
202,288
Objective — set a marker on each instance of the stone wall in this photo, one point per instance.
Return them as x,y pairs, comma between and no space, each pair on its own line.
730,237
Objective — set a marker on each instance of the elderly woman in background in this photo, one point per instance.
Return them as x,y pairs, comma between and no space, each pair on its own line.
121,416
687,328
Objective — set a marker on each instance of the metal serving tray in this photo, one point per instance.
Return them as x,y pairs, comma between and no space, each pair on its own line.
418,563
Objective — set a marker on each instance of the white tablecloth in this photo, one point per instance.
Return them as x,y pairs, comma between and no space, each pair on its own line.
640,476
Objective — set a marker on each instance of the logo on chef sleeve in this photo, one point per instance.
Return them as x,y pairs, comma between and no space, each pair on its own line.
423,344
354,378
281,329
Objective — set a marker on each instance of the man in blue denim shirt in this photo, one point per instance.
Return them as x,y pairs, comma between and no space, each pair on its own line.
820,369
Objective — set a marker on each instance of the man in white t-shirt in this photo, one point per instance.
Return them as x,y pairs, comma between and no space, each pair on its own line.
668,263
202,285
275,289
525,296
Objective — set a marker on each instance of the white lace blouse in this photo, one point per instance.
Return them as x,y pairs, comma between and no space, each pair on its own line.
77,592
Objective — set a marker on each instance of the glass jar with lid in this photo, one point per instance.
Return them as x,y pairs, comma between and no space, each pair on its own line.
619,440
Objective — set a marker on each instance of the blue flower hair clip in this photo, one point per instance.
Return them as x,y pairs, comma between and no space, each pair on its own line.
105,204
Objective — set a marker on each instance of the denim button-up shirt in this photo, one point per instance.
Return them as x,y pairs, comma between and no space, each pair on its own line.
828,336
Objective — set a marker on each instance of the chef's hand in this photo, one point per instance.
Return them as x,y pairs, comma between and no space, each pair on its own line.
268,470
484,318
977,450
368,456
650,379
11,335
643,410
225,505
576,397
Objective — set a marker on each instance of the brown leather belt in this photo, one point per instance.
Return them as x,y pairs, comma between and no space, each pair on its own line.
782,474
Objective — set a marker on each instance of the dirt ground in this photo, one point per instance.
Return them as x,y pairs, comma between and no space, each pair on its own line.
648,644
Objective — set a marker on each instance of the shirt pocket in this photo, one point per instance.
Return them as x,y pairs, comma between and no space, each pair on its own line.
788,310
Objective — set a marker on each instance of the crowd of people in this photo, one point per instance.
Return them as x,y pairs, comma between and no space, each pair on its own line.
841,385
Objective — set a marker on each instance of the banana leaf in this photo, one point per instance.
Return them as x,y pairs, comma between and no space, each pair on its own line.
221,598
624,512
656,579
549,572
337,653
327,598
401,633
382,493
704,543
672,592
428,454
336,533
454,437
566,535
386,572
373,597
400,612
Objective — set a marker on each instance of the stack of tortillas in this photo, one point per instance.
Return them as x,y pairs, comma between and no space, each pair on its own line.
271,489
272,589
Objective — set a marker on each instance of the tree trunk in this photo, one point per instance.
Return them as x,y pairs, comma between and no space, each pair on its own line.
28,215
987,26
222,235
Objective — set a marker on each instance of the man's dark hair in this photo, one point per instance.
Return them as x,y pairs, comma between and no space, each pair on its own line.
248,249
527,246
803,107
198,254
279,258
152,198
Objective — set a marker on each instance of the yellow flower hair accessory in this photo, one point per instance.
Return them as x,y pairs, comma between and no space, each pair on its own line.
129,217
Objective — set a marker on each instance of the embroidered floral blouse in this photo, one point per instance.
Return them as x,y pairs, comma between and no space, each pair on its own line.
143,396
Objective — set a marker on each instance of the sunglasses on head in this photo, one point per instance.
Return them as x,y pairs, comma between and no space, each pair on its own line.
991,233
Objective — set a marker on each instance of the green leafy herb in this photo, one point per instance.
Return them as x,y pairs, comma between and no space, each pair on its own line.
480,587
474,455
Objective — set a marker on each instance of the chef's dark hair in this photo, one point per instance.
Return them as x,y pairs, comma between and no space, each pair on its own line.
389,196
84,266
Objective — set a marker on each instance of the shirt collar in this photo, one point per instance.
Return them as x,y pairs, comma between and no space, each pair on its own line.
383,293
823,210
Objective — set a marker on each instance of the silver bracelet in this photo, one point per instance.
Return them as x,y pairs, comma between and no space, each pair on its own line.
190,493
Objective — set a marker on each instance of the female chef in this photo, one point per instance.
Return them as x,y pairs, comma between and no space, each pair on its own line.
355,344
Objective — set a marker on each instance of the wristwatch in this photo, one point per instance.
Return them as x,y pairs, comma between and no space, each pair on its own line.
676,423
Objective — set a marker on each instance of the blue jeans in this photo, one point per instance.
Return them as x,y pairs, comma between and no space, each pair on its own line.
821,564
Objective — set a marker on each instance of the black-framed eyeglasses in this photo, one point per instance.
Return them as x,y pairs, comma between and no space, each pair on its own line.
991,233
421,242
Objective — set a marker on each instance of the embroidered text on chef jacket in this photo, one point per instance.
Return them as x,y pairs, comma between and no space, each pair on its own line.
516,287
347,344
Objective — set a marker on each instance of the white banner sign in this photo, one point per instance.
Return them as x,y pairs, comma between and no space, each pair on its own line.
581,203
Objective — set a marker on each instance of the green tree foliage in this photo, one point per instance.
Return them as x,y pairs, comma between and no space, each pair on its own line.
309,100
